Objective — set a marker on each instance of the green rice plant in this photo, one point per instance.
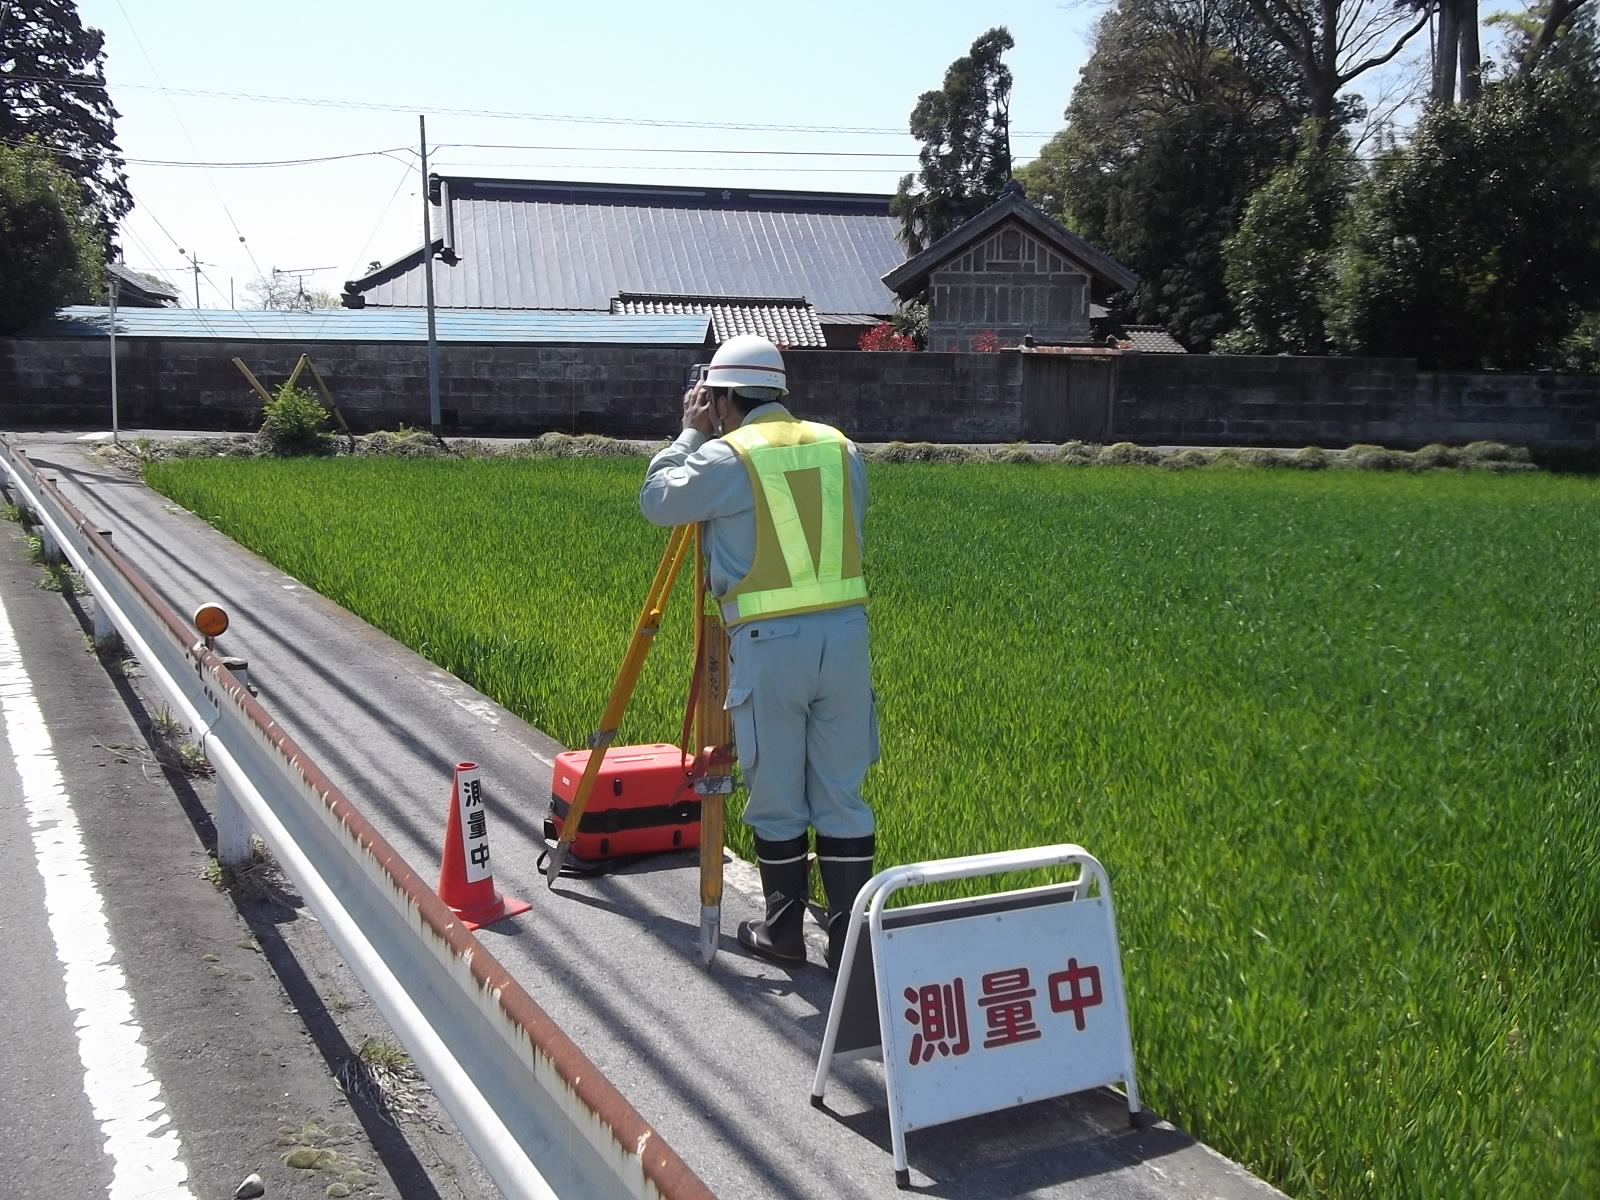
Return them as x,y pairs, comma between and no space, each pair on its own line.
1335,735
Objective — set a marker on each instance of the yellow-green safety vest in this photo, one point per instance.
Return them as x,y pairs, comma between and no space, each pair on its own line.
807,557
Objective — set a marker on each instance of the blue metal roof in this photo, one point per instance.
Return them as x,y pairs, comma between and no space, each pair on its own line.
536,244
377,325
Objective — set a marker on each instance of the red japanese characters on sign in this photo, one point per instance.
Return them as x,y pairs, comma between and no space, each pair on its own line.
940,1016
939,1011
1075,1002
1009,1001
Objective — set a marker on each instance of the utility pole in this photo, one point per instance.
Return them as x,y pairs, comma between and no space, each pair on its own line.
194,262
116,439
427,277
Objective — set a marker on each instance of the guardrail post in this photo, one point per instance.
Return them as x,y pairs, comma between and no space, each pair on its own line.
240,670
49,549
106,637
233,828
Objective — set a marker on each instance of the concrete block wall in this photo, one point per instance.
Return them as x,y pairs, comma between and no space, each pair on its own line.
635,391
1247,401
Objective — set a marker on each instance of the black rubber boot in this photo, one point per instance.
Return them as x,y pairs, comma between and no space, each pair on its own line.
781,937
846,865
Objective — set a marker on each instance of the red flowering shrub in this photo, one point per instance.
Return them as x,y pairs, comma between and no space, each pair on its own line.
987,342
883,337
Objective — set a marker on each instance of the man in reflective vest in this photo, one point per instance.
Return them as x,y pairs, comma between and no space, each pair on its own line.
782,501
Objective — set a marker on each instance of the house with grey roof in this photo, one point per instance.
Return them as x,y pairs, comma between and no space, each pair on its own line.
140,291
1017,275
805,269
802,268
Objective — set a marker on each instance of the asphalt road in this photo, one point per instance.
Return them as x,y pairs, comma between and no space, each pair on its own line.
161,1041
719,1061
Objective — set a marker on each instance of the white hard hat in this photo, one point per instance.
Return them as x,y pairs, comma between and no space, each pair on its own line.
748,361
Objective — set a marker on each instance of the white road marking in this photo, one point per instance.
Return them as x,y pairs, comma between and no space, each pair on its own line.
145,1151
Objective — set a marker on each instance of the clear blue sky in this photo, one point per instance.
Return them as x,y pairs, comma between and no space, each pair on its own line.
610,68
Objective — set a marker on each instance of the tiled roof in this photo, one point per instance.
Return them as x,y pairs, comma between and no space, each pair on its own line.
375,325
911,276
784,322
1079,351
1152,339
540,244
153,290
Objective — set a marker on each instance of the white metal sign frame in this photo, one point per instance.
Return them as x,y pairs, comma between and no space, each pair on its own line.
1054,1015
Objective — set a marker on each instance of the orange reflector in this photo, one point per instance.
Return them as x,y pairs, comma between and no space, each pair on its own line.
210,620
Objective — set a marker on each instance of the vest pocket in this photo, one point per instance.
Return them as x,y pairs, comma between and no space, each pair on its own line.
742,710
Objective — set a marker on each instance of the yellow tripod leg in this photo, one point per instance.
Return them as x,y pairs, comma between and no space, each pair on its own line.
713,728
644,633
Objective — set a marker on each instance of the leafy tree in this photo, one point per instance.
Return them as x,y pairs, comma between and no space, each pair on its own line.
1279,264
965,131
1047,180
1334,42
1580,350
1557,17
50,248
286,292
910,320
1478,246
1183,109
53,88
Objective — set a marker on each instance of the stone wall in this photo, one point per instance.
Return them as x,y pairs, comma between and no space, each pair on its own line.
1213,400
621,391
634,391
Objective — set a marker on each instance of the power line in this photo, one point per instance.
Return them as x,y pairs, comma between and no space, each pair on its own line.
140,43
680,150
500,114
279,162
631,167
378,224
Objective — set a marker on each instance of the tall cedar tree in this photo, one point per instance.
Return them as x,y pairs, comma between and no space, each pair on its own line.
965,131
53,89
1182,110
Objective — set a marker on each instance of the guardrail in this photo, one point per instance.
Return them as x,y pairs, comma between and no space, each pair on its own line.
540,1117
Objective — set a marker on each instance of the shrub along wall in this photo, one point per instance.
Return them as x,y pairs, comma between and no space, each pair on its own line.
634,391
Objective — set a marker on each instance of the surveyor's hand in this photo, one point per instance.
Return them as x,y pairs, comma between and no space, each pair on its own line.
699,411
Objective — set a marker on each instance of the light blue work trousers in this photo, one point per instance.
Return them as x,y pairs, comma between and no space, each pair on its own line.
805,722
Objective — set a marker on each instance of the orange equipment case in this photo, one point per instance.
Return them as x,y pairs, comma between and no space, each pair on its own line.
643,802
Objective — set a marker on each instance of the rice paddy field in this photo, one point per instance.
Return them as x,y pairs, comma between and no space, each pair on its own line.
1335,736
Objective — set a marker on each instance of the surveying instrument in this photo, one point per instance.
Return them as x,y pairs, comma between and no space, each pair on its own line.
706,726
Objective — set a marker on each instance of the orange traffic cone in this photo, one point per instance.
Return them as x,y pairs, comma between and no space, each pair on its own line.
466,883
